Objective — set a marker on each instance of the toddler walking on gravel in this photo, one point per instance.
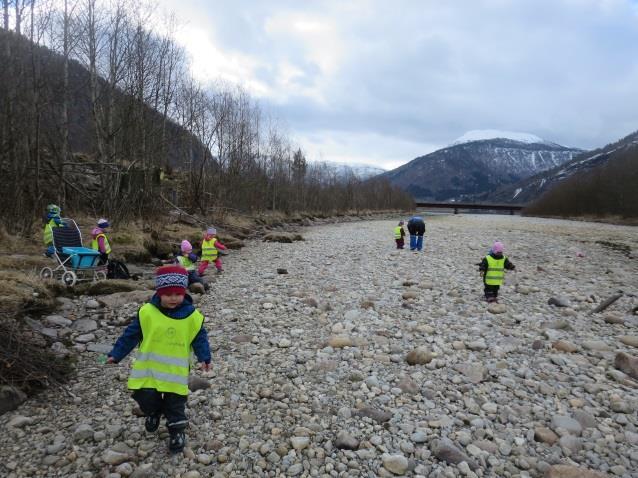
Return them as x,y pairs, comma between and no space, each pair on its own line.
492,270
166,330
399,235
187,259
210,251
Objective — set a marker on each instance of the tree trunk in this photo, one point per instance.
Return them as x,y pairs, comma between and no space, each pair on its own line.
5,8
18,16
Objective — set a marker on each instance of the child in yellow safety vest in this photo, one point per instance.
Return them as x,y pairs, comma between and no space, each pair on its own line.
188,260
210,251
53,219
100,242
399,234
166,329
492,269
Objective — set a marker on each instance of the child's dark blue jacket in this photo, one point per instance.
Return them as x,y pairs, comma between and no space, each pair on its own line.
133,333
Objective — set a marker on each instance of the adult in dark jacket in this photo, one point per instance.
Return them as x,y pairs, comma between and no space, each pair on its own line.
416,228
492,270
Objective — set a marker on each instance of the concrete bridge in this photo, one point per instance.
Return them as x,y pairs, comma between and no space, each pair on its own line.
512,208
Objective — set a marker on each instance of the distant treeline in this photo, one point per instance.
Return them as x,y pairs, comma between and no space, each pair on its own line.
609,190
99,112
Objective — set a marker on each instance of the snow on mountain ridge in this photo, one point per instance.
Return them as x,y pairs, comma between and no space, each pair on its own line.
360,170
484,134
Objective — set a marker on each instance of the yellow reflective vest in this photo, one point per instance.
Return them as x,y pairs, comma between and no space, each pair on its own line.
186,263
162,362
397,232
495,270
96,246
209,251
47,234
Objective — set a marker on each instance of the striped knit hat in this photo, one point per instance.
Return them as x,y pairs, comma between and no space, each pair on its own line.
171,280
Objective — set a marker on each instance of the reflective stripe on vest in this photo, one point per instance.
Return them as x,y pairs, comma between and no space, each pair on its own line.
162,362
209,251
397,232
96,246
186,263
168,378
495,271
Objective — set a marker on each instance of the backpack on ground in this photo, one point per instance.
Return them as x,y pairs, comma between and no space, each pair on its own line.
117,270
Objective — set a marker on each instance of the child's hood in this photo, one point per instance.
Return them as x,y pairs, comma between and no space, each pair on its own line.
496,255
182,311
95,231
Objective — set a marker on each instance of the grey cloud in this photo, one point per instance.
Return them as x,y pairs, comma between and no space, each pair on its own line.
426,72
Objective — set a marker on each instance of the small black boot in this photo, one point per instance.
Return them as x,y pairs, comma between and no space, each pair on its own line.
177,441
152,423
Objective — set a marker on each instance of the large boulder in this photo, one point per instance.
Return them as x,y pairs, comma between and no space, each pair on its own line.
419,356
285,237
117,300
10,398
445,450
569,471
627,364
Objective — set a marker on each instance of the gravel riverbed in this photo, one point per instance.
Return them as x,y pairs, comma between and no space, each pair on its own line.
342,356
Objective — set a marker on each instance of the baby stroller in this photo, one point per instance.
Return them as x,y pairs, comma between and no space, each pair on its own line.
75,262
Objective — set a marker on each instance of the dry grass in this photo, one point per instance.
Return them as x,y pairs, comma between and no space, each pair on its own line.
26,362
21,294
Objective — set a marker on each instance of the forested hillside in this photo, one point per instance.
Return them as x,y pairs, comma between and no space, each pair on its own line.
610,190
98,112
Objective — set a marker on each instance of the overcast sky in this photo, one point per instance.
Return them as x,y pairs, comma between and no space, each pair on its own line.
382,82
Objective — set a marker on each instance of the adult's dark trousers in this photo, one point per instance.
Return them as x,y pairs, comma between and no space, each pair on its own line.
156,404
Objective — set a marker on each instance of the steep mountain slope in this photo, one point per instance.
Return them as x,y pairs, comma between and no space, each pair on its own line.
470,167
173,145
533,187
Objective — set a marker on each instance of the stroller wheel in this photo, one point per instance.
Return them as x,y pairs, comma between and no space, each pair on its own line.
46,273
99,275
69,278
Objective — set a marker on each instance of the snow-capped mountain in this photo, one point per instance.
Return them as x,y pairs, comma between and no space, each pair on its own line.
345,170
484,134
474,166
533,187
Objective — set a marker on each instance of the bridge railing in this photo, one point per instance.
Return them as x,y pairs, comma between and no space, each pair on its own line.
456,206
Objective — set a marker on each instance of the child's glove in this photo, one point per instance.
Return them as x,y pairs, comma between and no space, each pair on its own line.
205,366
110,359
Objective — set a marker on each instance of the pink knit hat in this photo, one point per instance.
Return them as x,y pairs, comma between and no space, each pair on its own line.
497,248
186,246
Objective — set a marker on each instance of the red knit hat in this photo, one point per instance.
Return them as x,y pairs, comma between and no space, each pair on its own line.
171,280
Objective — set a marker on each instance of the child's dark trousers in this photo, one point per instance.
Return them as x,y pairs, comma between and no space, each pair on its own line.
491,292
400,243
171,405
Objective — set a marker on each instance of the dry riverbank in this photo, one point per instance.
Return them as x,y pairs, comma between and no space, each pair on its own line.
310,376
